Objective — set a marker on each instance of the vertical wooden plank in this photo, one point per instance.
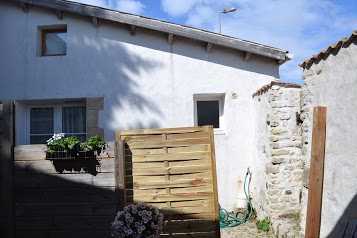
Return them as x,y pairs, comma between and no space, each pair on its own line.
214,177
119,168
313,219
8,168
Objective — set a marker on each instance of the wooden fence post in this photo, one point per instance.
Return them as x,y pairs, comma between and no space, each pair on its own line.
119,163
313,218
8,168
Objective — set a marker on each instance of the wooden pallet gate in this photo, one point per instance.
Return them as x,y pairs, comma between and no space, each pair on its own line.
173,169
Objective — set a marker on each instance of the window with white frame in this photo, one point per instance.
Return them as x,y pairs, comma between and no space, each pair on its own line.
46,120
209,110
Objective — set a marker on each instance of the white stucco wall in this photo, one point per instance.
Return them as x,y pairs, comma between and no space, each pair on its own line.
331,82
145,82
261,156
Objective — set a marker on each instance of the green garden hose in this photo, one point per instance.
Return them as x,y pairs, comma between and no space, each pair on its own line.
227,220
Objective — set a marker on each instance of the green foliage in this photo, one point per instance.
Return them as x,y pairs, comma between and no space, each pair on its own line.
72,144
68,144
264,224
95,143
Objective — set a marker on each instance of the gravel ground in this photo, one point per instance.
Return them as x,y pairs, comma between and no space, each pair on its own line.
245,230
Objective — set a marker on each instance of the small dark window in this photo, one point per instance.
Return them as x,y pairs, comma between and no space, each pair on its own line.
54,42
208,113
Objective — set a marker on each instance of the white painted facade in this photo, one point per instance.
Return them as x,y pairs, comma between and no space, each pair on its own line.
331,82
145,82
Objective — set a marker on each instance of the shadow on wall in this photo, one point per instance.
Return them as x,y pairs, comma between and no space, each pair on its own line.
117,73
349,214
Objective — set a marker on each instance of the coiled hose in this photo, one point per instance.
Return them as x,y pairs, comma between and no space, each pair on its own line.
227,220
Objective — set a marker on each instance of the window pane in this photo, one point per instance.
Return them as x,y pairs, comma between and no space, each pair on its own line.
39,139
73,120
55,43
41,121
208,113
41,125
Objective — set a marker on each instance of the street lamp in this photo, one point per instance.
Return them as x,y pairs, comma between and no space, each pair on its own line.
227,10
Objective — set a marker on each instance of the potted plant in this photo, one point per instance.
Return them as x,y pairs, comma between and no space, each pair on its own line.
138,220
95,144
60,147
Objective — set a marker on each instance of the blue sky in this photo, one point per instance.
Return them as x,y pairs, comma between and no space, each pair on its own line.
303,27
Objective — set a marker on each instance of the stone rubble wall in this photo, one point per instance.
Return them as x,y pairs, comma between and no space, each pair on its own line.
280,182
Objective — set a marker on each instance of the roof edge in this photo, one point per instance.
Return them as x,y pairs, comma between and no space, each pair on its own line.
327,52
272,83
163,26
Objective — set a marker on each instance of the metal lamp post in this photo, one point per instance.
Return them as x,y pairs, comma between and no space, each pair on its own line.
227,10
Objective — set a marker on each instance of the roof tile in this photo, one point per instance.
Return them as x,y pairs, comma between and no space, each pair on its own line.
326,52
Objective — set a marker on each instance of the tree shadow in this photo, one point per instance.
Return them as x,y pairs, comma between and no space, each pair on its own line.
117,73
349,214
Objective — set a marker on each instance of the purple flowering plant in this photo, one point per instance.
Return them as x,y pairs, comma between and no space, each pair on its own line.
137,221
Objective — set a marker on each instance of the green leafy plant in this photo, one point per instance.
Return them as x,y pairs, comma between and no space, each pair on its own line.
95,143
55,143
264,224
58,143
71,143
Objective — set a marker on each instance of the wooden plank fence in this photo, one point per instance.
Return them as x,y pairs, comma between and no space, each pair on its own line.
173,169
63,198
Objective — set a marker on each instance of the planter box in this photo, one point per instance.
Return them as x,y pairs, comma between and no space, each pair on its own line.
85,155
61,155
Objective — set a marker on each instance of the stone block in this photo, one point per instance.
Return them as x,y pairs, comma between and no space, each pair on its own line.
95,103
274,138
274,123
280,152
274,191
277,131
296,131
95,132
274,199
278,160
285,144
272,169
92,118
277,207
285,116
